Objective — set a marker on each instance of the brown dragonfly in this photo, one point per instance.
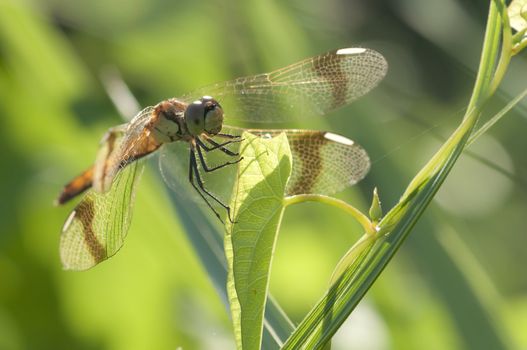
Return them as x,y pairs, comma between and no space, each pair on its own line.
323,162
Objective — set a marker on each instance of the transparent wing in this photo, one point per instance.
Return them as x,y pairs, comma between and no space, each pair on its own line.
323,162
96,228
313,86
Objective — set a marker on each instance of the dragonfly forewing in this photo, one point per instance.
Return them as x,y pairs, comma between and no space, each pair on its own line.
313,86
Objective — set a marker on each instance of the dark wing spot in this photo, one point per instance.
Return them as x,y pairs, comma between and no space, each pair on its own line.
85,212
330,68
307,162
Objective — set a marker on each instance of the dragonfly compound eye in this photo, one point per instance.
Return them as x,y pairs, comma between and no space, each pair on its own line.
204,114
195,117
213,117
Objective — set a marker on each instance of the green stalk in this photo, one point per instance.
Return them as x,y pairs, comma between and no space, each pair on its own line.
362,219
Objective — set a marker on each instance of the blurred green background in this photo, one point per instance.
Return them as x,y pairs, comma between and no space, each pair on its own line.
459,281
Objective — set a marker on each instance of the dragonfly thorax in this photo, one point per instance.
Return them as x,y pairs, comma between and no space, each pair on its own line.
204,115
168,123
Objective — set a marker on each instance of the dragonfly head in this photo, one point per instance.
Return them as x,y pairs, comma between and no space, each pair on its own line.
204,115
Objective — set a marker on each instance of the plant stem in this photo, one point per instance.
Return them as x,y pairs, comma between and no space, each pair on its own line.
362,219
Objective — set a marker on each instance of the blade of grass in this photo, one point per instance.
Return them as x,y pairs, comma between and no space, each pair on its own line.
497,117
484,290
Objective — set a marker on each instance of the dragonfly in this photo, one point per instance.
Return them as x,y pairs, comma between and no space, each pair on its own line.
323,162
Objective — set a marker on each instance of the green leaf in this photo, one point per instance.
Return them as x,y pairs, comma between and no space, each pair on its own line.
207,238
258,206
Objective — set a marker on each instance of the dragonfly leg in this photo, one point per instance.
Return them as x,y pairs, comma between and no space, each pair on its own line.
191,180
204,163
215,145
194,173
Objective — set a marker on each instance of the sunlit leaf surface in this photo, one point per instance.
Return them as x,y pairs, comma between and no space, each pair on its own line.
249,244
